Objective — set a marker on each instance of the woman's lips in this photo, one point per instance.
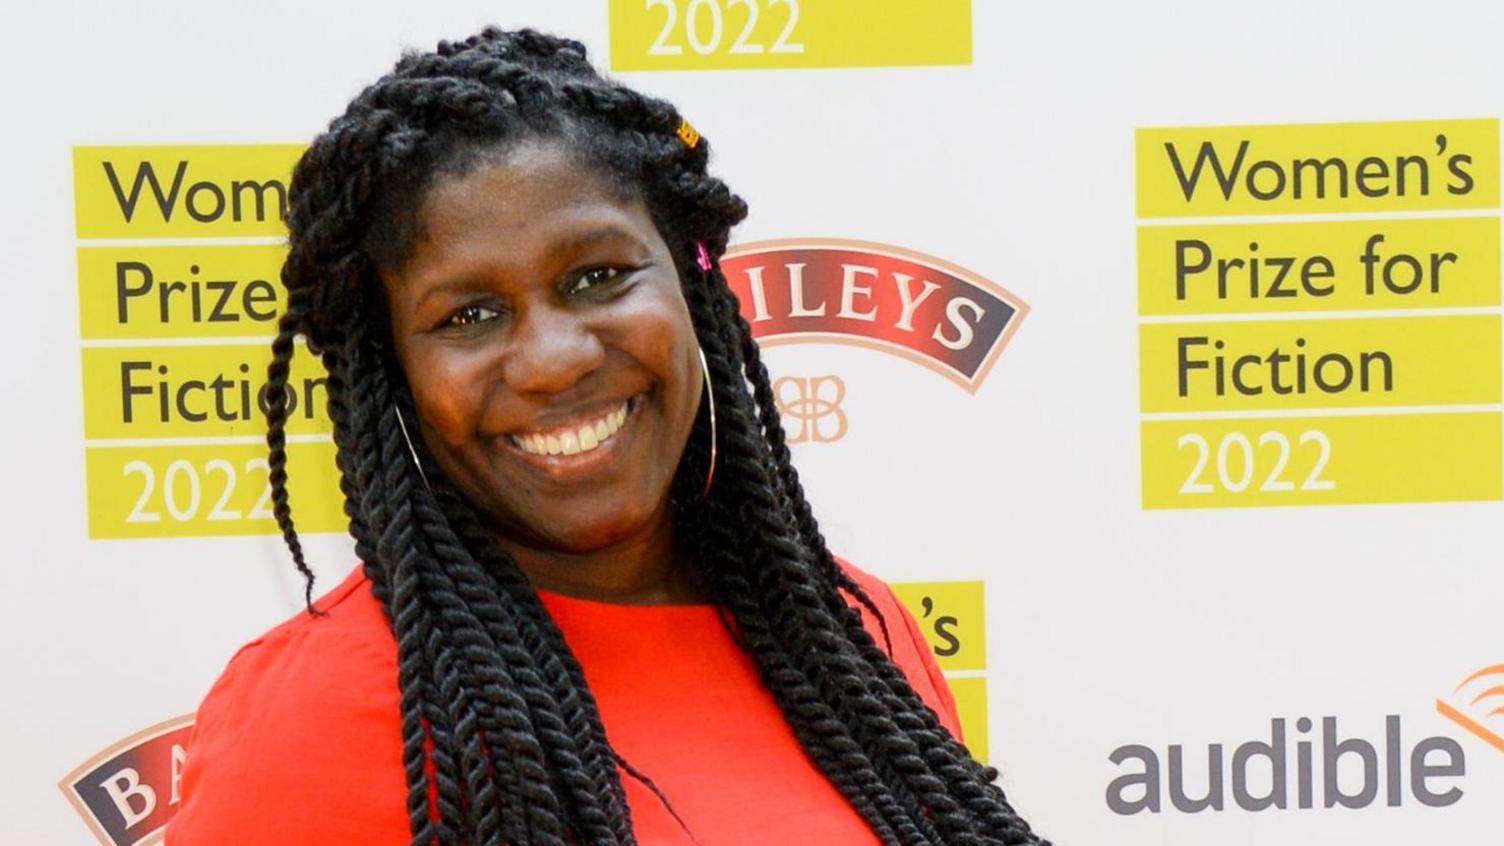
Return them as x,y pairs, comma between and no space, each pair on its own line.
577,449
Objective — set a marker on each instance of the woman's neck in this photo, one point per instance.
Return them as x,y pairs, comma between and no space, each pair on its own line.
647,568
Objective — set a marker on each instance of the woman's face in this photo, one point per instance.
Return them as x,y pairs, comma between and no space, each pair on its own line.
549,349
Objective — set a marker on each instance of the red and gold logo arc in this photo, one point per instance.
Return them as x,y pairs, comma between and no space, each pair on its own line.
915,306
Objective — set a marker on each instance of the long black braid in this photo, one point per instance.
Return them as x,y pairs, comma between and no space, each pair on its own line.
518,751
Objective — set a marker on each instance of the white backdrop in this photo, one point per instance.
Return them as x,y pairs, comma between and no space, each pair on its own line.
1107,624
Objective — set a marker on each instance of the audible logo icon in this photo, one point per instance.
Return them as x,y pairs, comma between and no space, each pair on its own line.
1478,705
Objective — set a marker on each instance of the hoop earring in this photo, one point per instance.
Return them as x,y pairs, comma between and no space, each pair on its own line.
402,424
709,395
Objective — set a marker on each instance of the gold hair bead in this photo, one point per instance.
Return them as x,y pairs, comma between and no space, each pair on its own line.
688,134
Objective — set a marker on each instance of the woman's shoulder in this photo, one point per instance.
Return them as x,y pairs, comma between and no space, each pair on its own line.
304,715
308,665
345,637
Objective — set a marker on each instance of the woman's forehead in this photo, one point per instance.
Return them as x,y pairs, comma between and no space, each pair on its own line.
531,205
512,187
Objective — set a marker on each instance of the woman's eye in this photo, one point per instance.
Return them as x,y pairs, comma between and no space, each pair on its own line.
471,314
595,277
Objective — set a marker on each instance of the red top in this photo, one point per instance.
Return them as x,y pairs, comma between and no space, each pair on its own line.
299,742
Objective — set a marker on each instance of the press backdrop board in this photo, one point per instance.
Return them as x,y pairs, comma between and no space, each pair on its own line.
1152,350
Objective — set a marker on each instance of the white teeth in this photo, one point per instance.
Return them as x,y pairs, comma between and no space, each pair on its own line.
583,438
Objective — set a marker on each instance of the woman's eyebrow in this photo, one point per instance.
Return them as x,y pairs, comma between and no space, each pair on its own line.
590,237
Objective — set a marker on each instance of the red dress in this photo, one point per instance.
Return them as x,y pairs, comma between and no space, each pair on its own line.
299,741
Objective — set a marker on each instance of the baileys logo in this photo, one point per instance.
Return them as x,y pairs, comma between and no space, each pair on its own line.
127,792
918,307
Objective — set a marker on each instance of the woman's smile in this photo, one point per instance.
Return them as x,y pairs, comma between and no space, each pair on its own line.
580,446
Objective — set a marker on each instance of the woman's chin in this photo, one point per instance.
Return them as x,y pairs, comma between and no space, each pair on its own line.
564,535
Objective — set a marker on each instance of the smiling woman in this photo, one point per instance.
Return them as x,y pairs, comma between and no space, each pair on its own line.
594,606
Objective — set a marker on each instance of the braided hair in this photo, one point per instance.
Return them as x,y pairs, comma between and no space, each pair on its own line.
502,738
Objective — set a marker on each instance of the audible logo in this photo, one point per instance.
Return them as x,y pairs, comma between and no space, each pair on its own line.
1324,762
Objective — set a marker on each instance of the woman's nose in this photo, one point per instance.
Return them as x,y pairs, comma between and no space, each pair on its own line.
551,349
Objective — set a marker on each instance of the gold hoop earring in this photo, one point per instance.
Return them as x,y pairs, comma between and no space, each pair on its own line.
709,395
402,424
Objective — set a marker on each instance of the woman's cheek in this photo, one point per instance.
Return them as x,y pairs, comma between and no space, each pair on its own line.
447,401
657,328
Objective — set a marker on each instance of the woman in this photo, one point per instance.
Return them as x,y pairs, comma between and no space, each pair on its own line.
594,605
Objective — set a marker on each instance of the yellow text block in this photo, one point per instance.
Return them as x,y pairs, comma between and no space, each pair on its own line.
971,705
191,491
1327,266
179,292
1317,168
182,192
1440,457
952,617
195,391
1330,363
744,34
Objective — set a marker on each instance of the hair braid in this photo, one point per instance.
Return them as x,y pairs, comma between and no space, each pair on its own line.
798,616
786,477
283,347
825,736
765,471
502,737
851,674
961,773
